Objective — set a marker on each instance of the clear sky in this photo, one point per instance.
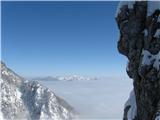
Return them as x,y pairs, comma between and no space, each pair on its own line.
60,38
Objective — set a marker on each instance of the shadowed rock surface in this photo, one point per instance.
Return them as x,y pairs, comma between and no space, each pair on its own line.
139,25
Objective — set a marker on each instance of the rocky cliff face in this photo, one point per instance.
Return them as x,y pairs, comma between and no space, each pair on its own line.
139,25
21,99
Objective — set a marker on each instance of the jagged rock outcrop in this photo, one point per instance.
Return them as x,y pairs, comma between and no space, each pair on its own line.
21,99
139,25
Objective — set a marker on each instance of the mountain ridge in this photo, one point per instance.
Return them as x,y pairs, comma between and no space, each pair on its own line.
22,99
65,78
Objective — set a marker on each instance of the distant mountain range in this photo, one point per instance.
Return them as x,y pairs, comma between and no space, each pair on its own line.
64,78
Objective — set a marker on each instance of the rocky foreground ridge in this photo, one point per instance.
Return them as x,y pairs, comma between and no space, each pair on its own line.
139,25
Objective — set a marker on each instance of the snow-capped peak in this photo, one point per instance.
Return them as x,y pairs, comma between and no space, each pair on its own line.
21,99
65,78
75,77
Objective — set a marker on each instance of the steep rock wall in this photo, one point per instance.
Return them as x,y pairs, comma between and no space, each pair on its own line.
139,25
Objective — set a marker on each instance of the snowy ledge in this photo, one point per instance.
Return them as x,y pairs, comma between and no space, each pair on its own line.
157,34
157,118
131,114
130,5
149,59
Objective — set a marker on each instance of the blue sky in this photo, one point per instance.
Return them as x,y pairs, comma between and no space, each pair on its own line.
60,38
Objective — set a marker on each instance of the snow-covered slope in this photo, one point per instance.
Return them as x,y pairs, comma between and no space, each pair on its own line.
21,99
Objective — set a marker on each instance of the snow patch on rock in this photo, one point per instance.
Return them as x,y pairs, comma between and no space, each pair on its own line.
151,6
145,32
157,34
130,5
148,59
158,117
133,107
